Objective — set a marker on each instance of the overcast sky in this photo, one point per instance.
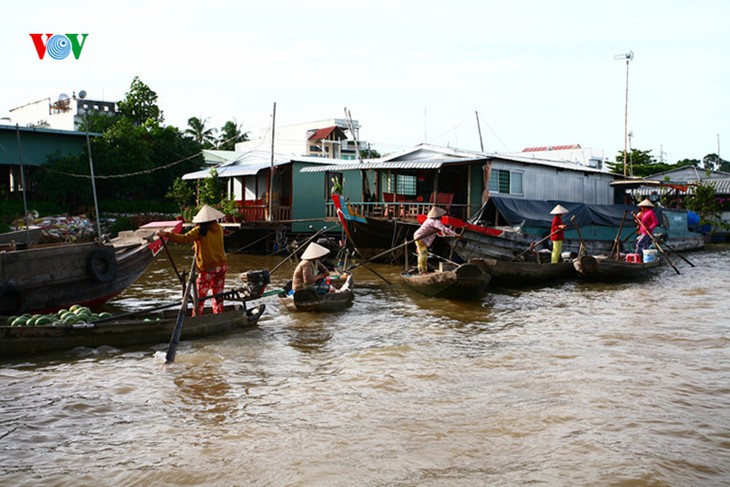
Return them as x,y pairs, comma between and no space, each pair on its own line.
537,73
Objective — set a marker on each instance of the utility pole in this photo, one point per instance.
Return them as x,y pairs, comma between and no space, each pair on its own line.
628,57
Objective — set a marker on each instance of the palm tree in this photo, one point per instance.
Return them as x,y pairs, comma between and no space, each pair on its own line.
196,129
230,134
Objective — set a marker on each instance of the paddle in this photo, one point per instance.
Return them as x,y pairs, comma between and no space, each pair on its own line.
348,235
617,241
656,244
175,338
169,256
380,255
533,245
678,254
300,247
582,250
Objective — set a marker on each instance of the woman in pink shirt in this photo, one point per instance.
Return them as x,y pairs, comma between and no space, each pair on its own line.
426,234
646,222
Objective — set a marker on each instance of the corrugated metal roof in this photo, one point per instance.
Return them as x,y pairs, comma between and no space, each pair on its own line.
722,187
249,163
551,147
385,165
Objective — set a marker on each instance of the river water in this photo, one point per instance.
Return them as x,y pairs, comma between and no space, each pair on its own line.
576,384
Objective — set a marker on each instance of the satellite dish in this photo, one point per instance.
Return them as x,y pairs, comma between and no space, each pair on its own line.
63,97
82,94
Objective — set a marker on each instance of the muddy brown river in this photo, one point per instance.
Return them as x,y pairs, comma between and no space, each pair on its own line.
575,384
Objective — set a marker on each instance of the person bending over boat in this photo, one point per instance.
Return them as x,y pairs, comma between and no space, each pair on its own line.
210,256
426,234
311,272
646,222
556,233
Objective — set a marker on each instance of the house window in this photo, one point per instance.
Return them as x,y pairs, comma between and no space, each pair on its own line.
505,182
405,184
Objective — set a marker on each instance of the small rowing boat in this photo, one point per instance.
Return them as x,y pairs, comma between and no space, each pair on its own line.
465,281
308,299
517,273
142,328
605,269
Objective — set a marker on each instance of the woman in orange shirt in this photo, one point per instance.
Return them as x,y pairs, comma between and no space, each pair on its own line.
210,256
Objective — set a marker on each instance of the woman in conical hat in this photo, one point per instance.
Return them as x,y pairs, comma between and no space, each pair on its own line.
311,272
556,232
646,222
426,234
210,255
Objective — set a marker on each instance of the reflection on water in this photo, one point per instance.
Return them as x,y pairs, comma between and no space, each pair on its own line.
572,384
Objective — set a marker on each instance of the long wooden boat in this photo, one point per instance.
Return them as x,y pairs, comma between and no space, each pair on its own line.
48,278
140,329
605,269
309,299
466,281
522,273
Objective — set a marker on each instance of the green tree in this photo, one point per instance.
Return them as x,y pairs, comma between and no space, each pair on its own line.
640,164
182,194
140,105
713,162
212,191
688,162
230,134
199,133
704,203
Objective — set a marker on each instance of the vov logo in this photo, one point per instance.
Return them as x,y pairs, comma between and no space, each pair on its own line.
58,46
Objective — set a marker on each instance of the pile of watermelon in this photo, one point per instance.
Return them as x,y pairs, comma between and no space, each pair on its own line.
76,314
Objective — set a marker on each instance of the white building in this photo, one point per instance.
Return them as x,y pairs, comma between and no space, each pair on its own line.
66,113
332,138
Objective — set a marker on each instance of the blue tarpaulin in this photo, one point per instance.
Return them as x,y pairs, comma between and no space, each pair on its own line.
536,213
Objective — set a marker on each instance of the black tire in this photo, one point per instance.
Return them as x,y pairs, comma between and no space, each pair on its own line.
101,265
12,300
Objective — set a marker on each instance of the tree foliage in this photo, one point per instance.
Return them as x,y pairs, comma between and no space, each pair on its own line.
212,190
198,131
230,134
135,158
140,105
703,201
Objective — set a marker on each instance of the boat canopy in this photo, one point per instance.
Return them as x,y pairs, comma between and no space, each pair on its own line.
536,213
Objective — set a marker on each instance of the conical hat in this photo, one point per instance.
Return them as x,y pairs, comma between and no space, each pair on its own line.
436,212
207,214
646,202
314,251
559,210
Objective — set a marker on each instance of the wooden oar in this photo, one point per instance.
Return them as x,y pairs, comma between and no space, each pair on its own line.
533,245
406,243
582,250
617,241
174,267
175,338
656,244
678,254
288,258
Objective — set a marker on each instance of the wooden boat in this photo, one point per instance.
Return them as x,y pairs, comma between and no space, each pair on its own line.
20,238
605,269
522,222
523,273
48,278
123,331
309,299
466,281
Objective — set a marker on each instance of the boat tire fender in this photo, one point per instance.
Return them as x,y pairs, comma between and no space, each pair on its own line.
101,265
12,300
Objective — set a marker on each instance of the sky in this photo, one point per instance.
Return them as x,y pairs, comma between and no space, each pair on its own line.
525,73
